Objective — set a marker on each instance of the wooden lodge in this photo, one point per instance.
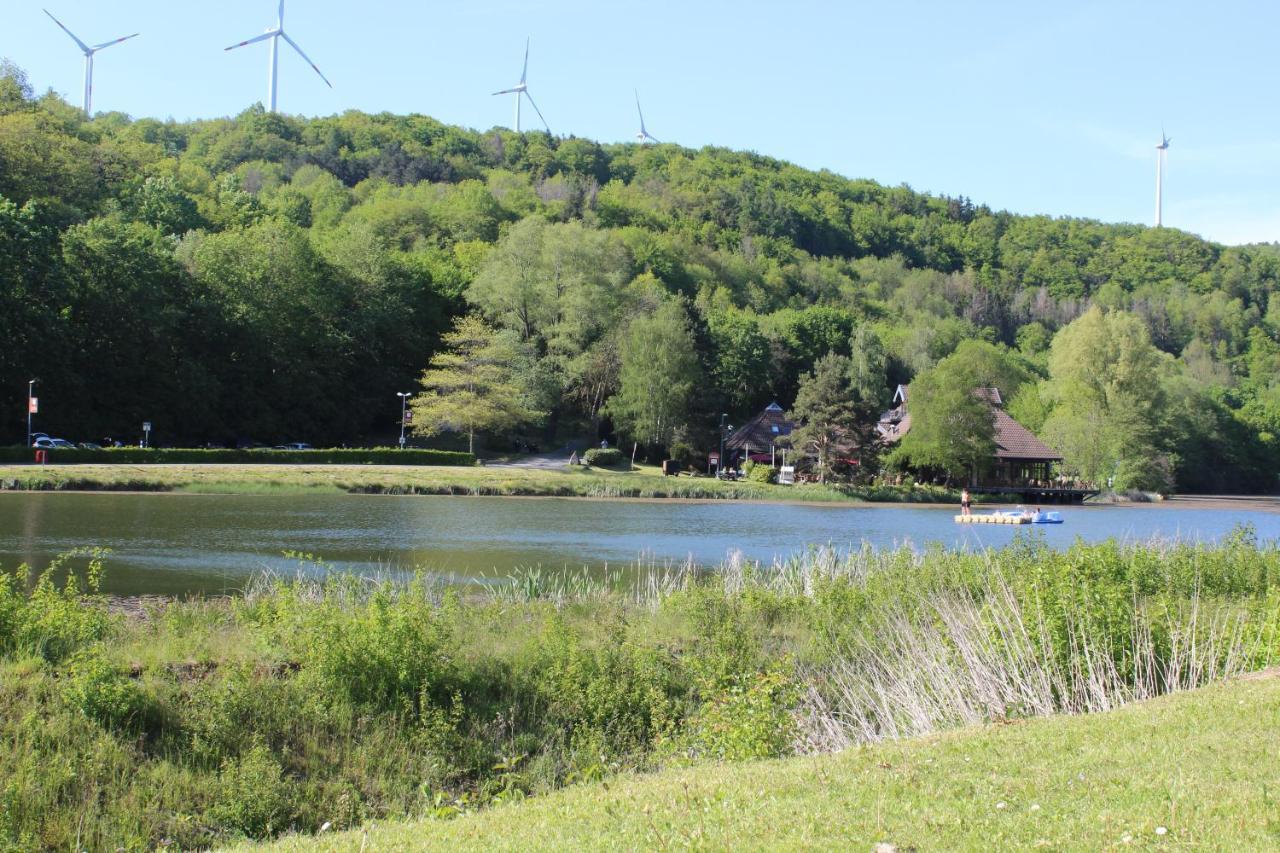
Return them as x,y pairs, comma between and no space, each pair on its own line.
760,437
1023,464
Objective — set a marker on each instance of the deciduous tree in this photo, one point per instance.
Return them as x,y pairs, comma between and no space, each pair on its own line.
471,385
659,375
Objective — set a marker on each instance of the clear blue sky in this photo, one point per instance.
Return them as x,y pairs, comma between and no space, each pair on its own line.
1033,107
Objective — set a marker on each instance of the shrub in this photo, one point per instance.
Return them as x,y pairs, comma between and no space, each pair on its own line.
100,691
749,719
760,473
52,622
391,652
685,455
1153,473
253,796
604,457
610,698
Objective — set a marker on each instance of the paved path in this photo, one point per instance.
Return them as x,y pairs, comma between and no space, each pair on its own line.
554,459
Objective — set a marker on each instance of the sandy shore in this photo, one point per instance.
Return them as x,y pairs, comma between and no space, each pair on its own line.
1243,503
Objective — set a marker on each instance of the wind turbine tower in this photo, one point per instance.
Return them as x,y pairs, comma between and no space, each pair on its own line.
643,136
1161,151
87,101
521,89
273,65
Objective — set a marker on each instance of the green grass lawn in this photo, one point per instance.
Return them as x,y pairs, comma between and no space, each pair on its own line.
1199,769
643,482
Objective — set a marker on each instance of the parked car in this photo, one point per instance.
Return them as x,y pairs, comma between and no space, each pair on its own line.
295,445
89,445
46,443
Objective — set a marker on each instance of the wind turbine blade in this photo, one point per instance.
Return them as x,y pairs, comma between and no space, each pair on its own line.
507,91
525,71
640,112
117,41
83,46
280,15
293,44
653,139
536,110
267,35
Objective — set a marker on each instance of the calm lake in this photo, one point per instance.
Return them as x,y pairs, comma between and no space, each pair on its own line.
165,543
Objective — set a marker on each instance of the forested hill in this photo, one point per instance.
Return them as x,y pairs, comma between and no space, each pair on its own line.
279,278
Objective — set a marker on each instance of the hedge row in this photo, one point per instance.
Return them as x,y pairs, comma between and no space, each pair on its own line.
605,457
137,455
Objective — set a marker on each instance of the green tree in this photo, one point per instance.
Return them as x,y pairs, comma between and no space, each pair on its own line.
15,89
287,332
658,376
471,386
833,422
952,420
742,362
952,426
868,367
1105,384
162,203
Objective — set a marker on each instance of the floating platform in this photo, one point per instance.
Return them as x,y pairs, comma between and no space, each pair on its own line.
993,519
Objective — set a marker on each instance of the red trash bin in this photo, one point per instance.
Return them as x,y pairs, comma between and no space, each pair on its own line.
42,456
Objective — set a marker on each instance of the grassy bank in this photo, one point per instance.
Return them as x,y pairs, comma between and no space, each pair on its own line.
645,482
1192,770
302,704
258,456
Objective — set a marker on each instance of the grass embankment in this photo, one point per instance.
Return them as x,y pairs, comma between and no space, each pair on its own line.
1193,770
644,482
347,701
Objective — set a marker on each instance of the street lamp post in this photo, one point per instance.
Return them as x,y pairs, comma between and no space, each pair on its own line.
404,402
724,426
31,407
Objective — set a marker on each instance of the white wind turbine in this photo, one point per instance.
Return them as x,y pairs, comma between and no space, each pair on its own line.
88,61
522,88
643,136
275,34
1161,151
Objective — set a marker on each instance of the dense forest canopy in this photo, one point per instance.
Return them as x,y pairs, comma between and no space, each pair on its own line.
277,278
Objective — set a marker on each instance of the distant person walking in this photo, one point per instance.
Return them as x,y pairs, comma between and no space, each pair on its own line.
965,501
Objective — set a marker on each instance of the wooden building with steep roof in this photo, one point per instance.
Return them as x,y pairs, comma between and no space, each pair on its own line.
1023,464
759,436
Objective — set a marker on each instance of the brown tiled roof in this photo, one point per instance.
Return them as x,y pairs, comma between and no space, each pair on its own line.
894,425
765,429
1013,440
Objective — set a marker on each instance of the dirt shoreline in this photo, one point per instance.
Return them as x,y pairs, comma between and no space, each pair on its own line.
1243,503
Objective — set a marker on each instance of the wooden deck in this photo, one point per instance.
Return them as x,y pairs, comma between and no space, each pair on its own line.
1039,494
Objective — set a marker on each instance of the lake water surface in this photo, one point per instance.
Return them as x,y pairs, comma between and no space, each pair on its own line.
177,543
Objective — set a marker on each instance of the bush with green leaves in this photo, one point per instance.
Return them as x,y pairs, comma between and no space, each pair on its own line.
97,688
50,621
396,651
752,718
613,693
605,457
346,699
254,798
